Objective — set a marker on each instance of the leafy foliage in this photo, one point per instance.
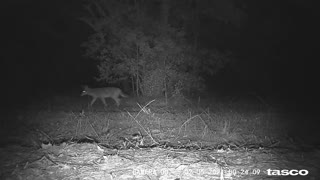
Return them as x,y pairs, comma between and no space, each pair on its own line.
156,57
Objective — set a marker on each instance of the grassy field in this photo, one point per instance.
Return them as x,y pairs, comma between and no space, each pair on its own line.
200,122
213,125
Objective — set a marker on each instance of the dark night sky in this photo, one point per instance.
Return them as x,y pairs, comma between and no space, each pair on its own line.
42,48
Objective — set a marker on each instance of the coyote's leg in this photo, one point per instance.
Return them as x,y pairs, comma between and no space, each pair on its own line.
117,100
104,102
93,100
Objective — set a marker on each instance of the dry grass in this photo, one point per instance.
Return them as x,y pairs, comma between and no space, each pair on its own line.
199,123
146,139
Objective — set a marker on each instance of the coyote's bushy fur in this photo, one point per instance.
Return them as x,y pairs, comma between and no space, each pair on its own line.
102,93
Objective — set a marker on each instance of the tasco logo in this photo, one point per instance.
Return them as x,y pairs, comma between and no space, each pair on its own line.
286,172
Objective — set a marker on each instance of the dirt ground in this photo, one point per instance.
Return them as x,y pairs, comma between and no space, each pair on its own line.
152,139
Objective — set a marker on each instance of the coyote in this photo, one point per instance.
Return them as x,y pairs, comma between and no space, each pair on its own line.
101,93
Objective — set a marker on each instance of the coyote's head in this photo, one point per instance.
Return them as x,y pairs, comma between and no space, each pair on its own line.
85,90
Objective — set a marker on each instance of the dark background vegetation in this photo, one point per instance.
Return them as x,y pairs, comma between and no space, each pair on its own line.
275,47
